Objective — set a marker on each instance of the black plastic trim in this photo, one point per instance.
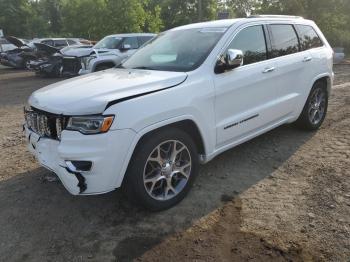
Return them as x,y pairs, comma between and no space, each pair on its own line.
240,122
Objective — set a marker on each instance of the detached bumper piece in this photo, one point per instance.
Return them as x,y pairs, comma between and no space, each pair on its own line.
82,184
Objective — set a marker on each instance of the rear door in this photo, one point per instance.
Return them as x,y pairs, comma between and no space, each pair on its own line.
246,96
293,66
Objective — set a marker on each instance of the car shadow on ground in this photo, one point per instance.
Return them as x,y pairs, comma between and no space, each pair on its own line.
40,220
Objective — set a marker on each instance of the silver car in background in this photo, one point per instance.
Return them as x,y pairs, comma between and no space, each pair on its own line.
109,52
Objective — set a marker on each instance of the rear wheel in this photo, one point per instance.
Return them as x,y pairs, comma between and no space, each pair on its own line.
162,169
315,109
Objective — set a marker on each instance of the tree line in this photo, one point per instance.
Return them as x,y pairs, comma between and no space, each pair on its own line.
94,19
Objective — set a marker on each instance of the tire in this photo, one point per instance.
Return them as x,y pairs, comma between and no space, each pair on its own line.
26,62
306,120
143,167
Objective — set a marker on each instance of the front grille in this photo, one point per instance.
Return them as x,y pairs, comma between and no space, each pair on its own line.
71,65
45,124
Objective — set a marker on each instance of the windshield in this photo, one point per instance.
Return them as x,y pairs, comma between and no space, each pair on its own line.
109,42
178,50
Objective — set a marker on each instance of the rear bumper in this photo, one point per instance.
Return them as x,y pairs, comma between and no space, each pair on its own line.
107,152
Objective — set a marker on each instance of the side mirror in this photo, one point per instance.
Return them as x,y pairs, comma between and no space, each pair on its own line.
231,60
125,47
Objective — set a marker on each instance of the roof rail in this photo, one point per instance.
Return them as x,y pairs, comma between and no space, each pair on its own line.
275,16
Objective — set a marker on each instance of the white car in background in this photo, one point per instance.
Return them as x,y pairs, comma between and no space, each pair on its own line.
188,95
110,51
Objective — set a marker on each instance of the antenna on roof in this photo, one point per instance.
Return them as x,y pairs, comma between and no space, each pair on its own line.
275,16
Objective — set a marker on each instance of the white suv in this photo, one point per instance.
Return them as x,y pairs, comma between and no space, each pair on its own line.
188,95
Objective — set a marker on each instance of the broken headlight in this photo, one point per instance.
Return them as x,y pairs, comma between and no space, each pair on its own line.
90,124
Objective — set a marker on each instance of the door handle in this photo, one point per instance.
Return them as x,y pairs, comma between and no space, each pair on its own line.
269,70
307,59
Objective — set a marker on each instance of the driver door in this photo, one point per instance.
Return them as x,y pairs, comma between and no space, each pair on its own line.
246,97
133,43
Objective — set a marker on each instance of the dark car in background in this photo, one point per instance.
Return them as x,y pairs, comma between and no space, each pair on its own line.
25,52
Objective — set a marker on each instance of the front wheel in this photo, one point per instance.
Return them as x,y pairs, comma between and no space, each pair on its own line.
162,169
315,109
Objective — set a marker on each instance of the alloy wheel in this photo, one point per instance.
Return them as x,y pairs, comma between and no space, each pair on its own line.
167,170
317,106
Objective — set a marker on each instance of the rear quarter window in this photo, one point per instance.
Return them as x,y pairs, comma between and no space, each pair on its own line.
60,43
308,37
284,40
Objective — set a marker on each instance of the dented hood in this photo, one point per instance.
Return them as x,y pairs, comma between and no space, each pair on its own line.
15,41
90,94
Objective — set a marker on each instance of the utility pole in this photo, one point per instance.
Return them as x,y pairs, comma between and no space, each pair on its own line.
200,11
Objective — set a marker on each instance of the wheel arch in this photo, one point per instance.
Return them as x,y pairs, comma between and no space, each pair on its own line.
326,79
104,62
188,126
185,123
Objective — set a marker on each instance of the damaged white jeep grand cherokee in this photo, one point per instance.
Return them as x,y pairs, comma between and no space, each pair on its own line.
188,95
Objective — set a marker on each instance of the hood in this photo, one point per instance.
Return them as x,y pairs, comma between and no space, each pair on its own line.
78,51
90,94
46,48
15,41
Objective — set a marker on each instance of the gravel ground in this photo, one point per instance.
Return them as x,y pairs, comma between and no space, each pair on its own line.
284,196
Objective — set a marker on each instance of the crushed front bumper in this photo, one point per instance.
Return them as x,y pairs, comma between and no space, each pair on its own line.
107,152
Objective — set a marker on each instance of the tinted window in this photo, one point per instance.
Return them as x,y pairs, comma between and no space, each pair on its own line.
47,42
71,42
308,37
284,40
251,41
132,41
60,43
109,42
144,39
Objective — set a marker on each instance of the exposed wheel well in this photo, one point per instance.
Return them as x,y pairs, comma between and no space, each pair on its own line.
326,81
104,64
186,125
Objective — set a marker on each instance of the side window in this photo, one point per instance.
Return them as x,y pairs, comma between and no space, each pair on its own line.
71,42
144,39
47,42
251,41
60,43
132,41
308,37
284,40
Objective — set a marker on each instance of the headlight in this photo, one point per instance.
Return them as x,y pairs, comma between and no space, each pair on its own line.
86,60
90,124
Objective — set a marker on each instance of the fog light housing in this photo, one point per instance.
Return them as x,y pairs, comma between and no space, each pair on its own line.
79,166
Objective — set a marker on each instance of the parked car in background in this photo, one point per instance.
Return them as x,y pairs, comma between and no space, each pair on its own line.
107,53
186,96
58,42
52,64
26,51
6,45
18,57
339,55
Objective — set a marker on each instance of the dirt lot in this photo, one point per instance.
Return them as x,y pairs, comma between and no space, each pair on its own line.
284,196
